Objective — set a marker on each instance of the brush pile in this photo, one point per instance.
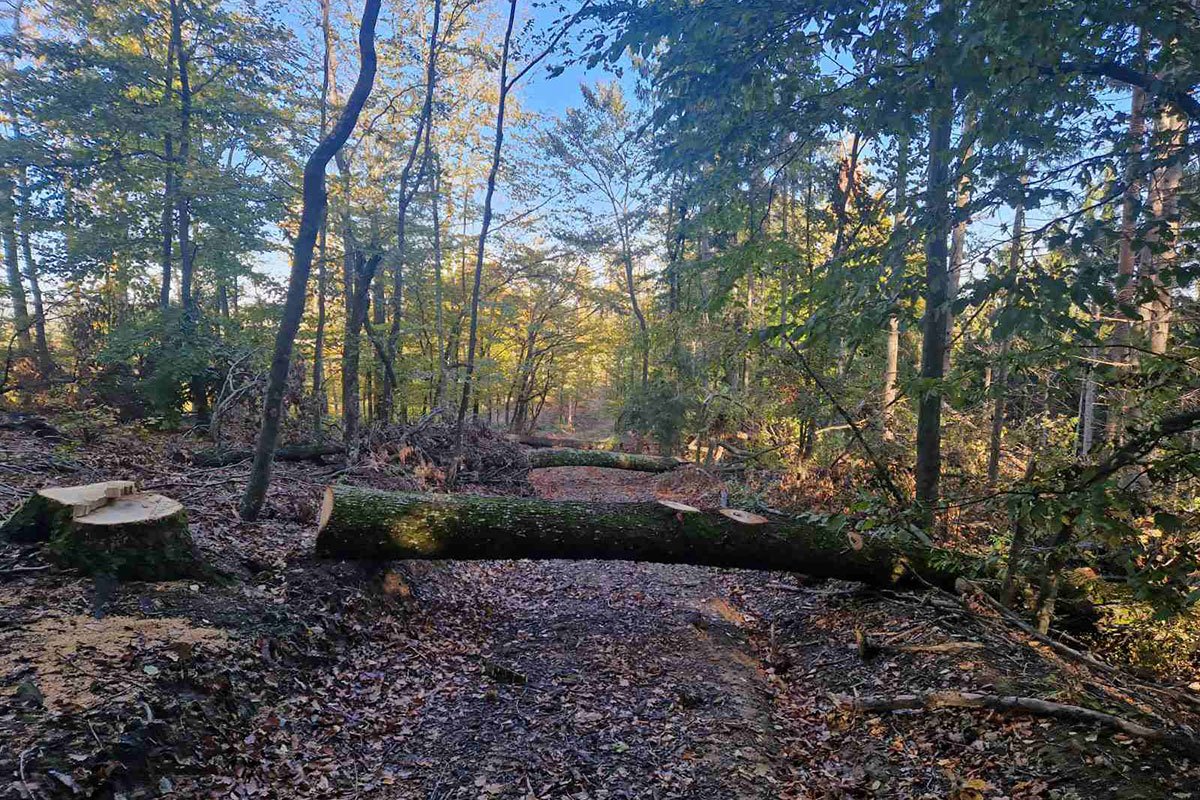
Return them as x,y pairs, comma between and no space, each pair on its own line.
425,449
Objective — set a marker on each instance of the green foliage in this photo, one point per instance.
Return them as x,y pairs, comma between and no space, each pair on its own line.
658,410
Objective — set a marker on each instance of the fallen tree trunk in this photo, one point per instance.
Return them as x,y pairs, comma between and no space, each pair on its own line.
108,528
568,457
29,423
549,441
291,452
365,524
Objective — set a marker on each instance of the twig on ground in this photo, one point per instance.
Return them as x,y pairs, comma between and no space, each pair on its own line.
1028,705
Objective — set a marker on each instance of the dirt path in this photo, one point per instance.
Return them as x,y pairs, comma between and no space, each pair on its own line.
562,679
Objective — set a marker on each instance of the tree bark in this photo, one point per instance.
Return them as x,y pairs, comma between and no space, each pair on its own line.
480,250
320,403
958,237
567,457
21,208
1161,251
366,524
439,319
1000,379
16,286
891,368
937,206
183,206
408,190
312,212
1120,352
167,221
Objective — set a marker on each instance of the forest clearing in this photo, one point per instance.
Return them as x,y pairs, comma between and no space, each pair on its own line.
598,399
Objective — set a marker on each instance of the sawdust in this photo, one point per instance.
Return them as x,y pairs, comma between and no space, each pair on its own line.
69,658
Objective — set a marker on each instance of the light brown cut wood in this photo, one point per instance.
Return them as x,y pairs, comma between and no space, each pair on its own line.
744,517
681,507
84,500
326,508
141,507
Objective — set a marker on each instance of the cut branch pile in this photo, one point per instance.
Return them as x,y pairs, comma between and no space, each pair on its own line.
488,456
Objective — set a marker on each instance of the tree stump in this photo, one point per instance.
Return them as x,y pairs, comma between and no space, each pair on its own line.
108,528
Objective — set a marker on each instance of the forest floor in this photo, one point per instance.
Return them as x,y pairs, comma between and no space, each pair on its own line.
295,677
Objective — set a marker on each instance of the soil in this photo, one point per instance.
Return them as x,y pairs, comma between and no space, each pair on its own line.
293,677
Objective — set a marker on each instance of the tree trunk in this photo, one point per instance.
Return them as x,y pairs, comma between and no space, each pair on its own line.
567,457
439,320
167,221
320,407
183,206
21,206
16,287
1000,379
1162,248
408,190
312,212
937,207
1120,353
958,238
891,368
108,528
366,524
485,224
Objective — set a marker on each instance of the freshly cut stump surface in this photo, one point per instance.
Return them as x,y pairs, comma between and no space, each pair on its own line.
108,528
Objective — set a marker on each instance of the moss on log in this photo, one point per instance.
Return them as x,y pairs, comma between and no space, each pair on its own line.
365,524
108,528
568,457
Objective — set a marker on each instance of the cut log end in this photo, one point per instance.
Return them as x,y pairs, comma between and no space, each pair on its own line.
326,509
683,508
744,517
108,528
133,509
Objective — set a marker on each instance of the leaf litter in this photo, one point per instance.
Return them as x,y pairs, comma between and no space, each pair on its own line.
302,678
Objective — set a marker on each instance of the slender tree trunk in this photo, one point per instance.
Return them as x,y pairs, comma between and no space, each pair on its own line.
439,392
999,386
1120,353
312,212
167,222
891,368
16,286
408,190
183,206
937,206
355,291
485,224
958,239
1161,252
621,220
21,210
320,403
